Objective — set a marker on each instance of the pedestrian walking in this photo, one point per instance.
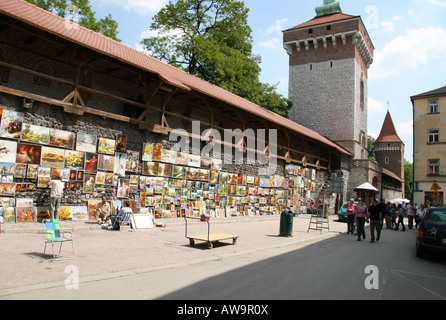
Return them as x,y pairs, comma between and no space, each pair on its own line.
375,216
56,192
361,217
419,214
410,210
400,216
393,215
388,216
351,209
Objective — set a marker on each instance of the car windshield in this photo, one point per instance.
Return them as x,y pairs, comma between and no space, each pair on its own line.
345,205
437,216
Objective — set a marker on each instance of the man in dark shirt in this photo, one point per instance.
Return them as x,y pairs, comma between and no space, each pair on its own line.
375,217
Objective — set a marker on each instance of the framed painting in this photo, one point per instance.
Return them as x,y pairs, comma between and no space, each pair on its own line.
132,161
89,183
106,162
28,153
11,125
147,151
121,143
35,134
8,151
86,142
52,157
157,152
74,160
91,162
123,188
62,139
107,146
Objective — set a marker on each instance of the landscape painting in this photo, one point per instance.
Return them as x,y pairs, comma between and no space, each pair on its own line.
86,142
52,157
107,146
35,134
61,138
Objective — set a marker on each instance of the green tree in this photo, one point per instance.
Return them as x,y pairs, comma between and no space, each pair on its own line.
408,173
371,148
212,40
80,11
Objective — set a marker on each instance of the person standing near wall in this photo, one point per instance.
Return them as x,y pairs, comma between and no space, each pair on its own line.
57,187
351,209
375,216
361,217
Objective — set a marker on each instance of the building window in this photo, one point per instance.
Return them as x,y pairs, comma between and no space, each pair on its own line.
386,160
434,136
433,106
434,166
362,92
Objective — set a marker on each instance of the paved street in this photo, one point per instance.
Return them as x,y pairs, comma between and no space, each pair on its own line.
159,264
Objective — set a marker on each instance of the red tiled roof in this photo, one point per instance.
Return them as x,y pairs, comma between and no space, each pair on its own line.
324,19
388,131
49,22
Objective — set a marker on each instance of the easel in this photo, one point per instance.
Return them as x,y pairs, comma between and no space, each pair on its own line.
319,216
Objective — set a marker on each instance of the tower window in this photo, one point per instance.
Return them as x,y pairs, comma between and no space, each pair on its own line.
311,67
386,160
329,27
362,98
331,64
310,31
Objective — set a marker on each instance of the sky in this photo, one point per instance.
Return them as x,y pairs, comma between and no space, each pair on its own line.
409,39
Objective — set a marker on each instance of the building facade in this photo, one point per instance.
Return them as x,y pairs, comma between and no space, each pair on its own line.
429,112
328,83
107,119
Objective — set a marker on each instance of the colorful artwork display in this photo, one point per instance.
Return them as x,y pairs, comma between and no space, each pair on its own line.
166,183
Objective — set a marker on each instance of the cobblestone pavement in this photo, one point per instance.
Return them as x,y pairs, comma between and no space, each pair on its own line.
104,253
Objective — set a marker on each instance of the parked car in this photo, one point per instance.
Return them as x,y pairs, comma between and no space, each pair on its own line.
431,235
342,213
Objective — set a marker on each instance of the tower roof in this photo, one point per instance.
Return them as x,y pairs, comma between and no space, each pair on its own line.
324,19
329,7
388,131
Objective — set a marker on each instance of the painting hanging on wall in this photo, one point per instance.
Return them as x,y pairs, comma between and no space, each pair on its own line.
61,138
8,151
28,153
52,157
35,134
107,146
74,160
86,142
11,126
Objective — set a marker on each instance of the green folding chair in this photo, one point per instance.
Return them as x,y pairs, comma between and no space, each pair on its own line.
54,234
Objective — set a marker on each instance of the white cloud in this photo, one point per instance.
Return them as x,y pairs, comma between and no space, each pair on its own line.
271,44
416,47
276,27
141,7
390,25
439,3
274,32
376,106
405,130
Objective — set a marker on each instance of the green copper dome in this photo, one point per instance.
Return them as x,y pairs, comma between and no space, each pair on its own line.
329,7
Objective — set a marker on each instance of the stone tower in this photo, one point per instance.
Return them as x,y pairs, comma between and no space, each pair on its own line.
329,59
389,148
